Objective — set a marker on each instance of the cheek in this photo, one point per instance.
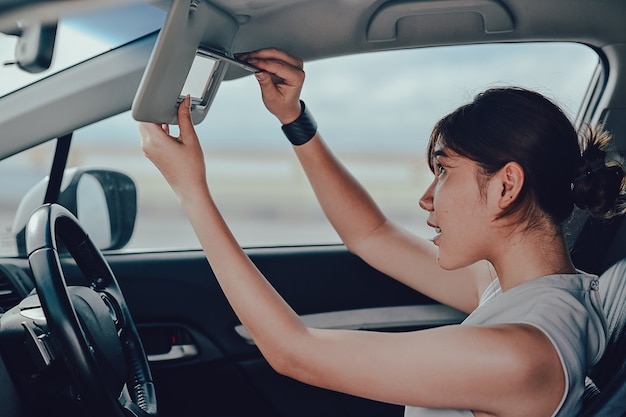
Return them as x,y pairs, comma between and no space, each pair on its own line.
463,242
463,216
461,200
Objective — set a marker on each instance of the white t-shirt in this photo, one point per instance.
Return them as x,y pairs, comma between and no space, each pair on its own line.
567,308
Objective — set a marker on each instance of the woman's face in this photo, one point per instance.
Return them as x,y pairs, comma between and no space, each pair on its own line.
458,210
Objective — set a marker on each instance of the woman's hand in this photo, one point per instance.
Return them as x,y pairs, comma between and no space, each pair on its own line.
281,78
179,159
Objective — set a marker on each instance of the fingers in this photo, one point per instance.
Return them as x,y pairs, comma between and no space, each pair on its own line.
271,54
153,134
185,124
281,72
281,79
284,68
179,159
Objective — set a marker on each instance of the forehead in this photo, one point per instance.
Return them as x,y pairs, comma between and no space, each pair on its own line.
438,149
437,146
444,155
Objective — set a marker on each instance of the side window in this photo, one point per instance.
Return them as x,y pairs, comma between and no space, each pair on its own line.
19,173
375,111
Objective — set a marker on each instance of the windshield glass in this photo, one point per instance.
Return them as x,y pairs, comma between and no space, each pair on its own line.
82,36
375,110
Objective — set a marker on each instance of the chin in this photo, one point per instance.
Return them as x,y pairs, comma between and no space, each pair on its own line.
450,264
446,264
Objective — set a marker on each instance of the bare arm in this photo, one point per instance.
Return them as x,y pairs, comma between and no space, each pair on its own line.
181,162
476,368
362,226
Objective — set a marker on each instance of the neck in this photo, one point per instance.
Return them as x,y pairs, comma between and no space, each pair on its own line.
526,255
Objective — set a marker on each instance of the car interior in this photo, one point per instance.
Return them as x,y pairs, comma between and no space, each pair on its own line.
97,319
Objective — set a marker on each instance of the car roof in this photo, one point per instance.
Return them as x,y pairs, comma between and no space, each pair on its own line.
336,27
310,29
325,28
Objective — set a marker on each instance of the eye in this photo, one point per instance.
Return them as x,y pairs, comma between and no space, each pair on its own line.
440,169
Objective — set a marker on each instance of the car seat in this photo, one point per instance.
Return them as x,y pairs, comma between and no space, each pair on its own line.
605,394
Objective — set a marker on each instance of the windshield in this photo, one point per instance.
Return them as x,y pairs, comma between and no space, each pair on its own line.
375,110
82,36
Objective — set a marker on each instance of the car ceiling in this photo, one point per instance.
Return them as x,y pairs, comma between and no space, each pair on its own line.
311,29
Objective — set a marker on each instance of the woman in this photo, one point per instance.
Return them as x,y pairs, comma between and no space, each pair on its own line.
508,169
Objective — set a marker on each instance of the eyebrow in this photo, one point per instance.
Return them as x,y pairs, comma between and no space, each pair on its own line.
436,154
440,153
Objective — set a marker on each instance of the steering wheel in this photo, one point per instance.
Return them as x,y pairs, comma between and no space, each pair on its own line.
91,327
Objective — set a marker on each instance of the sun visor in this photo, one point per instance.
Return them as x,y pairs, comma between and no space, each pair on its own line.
190,57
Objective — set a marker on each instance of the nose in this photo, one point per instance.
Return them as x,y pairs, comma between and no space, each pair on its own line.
426,202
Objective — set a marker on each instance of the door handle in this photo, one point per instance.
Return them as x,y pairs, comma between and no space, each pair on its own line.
176,352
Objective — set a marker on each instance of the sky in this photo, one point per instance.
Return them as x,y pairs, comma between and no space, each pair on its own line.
405,92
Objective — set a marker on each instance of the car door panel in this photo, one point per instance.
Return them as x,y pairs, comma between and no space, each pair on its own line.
204,364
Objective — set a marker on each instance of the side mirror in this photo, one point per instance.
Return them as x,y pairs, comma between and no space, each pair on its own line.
104,201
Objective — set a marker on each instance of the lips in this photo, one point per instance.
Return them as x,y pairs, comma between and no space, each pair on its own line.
434,226
437,230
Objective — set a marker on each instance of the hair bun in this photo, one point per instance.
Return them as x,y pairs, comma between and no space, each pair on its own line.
598,186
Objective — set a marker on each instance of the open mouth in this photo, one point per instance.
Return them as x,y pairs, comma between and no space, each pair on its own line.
437,230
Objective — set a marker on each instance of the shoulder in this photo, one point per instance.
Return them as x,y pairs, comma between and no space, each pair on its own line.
566,308
561,315
511,366
570,295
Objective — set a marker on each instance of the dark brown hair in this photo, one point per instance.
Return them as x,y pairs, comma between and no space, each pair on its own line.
599,184
511,124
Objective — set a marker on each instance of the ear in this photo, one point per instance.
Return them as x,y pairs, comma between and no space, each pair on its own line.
510,179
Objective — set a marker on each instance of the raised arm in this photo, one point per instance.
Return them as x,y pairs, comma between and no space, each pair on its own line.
364,229
454,367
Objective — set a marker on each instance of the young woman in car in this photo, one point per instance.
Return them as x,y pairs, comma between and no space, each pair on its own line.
508,170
